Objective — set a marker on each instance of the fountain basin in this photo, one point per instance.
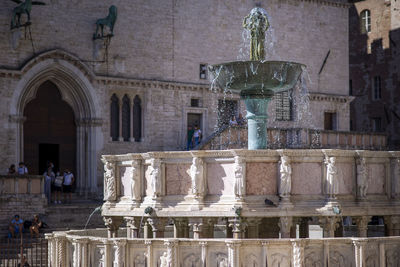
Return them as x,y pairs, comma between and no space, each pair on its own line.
257,79
257,82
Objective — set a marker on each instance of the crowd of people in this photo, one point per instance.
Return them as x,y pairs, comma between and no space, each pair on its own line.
240,121
55,185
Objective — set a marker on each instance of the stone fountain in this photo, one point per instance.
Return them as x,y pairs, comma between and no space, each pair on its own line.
256,80
242,192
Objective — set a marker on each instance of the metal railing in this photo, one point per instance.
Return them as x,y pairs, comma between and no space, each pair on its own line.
13,250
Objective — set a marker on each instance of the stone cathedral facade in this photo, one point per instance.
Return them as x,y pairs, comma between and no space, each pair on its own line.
69,99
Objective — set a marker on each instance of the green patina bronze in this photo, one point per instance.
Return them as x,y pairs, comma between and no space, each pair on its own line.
257,80
257,23
108,21
24,7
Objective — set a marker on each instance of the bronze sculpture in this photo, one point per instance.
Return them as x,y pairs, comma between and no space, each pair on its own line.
24,7
108,21
257,23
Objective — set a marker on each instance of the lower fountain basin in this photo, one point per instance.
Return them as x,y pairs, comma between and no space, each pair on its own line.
257,79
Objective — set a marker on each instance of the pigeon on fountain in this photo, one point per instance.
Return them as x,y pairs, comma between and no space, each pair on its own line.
269,203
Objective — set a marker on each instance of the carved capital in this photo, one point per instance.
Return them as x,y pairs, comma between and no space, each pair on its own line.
133,226
112,224
329,224
238,225
362,225
285,223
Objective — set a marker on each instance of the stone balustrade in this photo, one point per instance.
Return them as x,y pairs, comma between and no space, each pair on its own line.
21,184
246,187
235,137
20,194
92,248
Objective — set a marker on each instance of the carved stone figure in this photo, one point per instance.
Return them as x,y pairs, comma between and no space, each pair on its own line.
109,181
102,257
140,261
24,7
257,23
222,260
135,182
332,185
164,260
191,260
362,178
285,177
196,173
240,172
108,21
155,175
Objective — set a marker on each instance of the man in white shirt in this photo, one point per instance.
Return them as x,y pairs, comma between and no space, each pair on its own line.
22,169
67,184
197,135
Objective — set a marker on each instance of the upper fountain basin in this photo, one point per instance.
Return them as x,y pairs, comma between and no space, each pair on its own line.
256,79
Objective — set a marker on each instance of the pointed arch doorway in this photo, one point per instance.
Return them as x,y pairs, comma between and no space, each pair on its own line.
49,131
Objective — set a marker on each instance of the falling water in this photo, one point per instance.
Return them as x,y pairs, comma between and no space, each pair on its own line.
91,214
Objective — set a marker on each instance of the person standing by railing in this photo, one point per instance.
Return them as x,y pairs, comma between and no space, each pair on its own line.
22,169
49,176
69,180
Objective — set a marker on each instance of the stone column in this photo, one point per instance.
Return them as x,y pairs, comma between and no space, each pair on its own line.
285,224
76,256
147,233
208,227
197,226
359,252
61,251
233,253
253,227
112,224
172,253
329,224
362,225
180,228
298,253
119,253
204,253
303,227
238,227
396,225
388,225
158,226
132,227
149,253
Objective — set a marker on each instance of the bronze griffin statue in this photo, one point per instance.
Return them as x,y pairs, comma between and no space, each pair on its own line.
24,7
108,21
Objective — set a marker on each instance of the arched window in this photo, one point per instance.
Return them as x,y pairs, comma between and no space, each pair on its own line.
365,21
126,118
114,118
137,118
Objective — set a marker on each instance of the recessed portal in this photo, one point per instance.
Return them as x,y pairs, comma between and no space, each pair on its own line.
49,131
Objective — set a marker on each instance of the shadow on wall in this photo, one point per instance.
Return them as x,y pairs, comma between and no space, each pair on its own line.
374,73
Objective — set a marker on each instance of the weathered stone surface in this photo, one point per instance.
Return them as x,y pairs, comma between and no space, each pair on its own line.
220,178
177,179
261,178
306,178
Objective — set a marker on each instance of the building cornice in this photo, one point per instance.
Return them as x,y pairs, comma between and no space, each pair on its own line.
334,3
331,97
